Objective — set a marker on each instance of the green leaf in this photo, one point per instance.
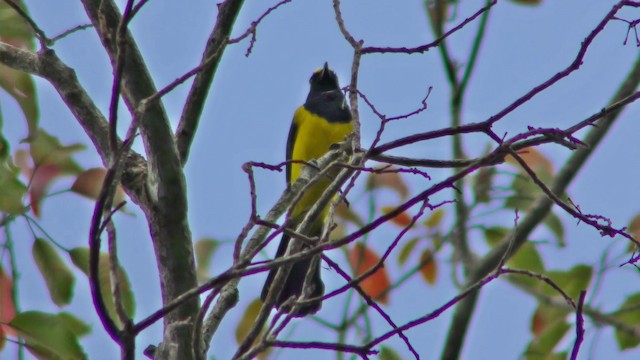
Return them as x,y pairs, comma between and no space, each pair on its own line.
14,28
628,314
494,234
47,150
524,192
407,250
429,270
204,250
57,275
527,258
247,321
80,258
21,87
75,325
387,353
542,346
551,356
15,31
434,219
634,229
47,336
554,224
571,282
545,317
12,190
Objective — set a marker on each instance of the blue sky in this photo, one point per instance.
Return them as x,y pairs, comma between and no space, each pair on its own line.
248,115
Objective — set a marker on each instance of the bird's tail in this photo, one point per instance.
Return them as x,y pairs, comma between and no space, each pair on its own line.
294,284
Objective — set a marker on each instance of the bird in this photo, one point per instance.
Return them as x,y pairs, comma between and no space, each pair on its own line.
322,121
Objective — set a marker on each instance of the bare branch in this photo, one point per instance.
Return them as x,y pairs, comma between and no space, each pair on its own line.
227,13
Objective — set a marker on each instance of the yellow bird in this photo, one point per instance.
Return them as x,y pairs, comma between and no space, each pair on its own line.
323,120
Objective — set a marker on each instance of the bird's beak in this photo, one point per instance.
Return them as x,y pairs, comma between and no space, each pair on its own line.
325,69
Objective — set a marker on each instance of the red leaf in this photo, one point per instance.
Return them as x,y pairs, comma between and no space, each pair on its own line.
7,307
39,182
375,285
528,2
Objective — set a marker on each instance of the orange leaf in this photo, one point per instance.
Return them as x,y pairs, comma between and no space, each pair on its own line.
403,219
534,158
538,323
7,307
89,183
429,270
376,284
391,180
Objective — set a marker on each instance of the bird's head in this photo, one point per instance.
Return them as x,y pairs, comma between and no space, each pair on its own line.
324,79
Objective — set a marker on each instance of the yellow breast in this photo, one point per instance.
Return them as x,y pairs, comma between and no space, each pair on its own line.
314,137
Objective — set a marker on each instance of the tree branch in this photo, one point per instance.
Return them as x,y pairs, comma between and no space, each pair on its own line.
227,13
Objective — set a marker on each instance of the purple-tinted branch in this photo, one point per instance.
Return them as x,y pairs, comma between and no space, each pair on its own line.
427,47
354,283
362,351
575,65
254,27
605,229
463,129
103,204
94,257
508,250
117,77
388,169
579,327
138,7
545,279
383,117
434,314
533,137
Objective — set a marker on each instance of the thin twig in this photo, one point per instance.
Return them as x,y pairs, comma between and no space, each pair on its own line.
579,327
